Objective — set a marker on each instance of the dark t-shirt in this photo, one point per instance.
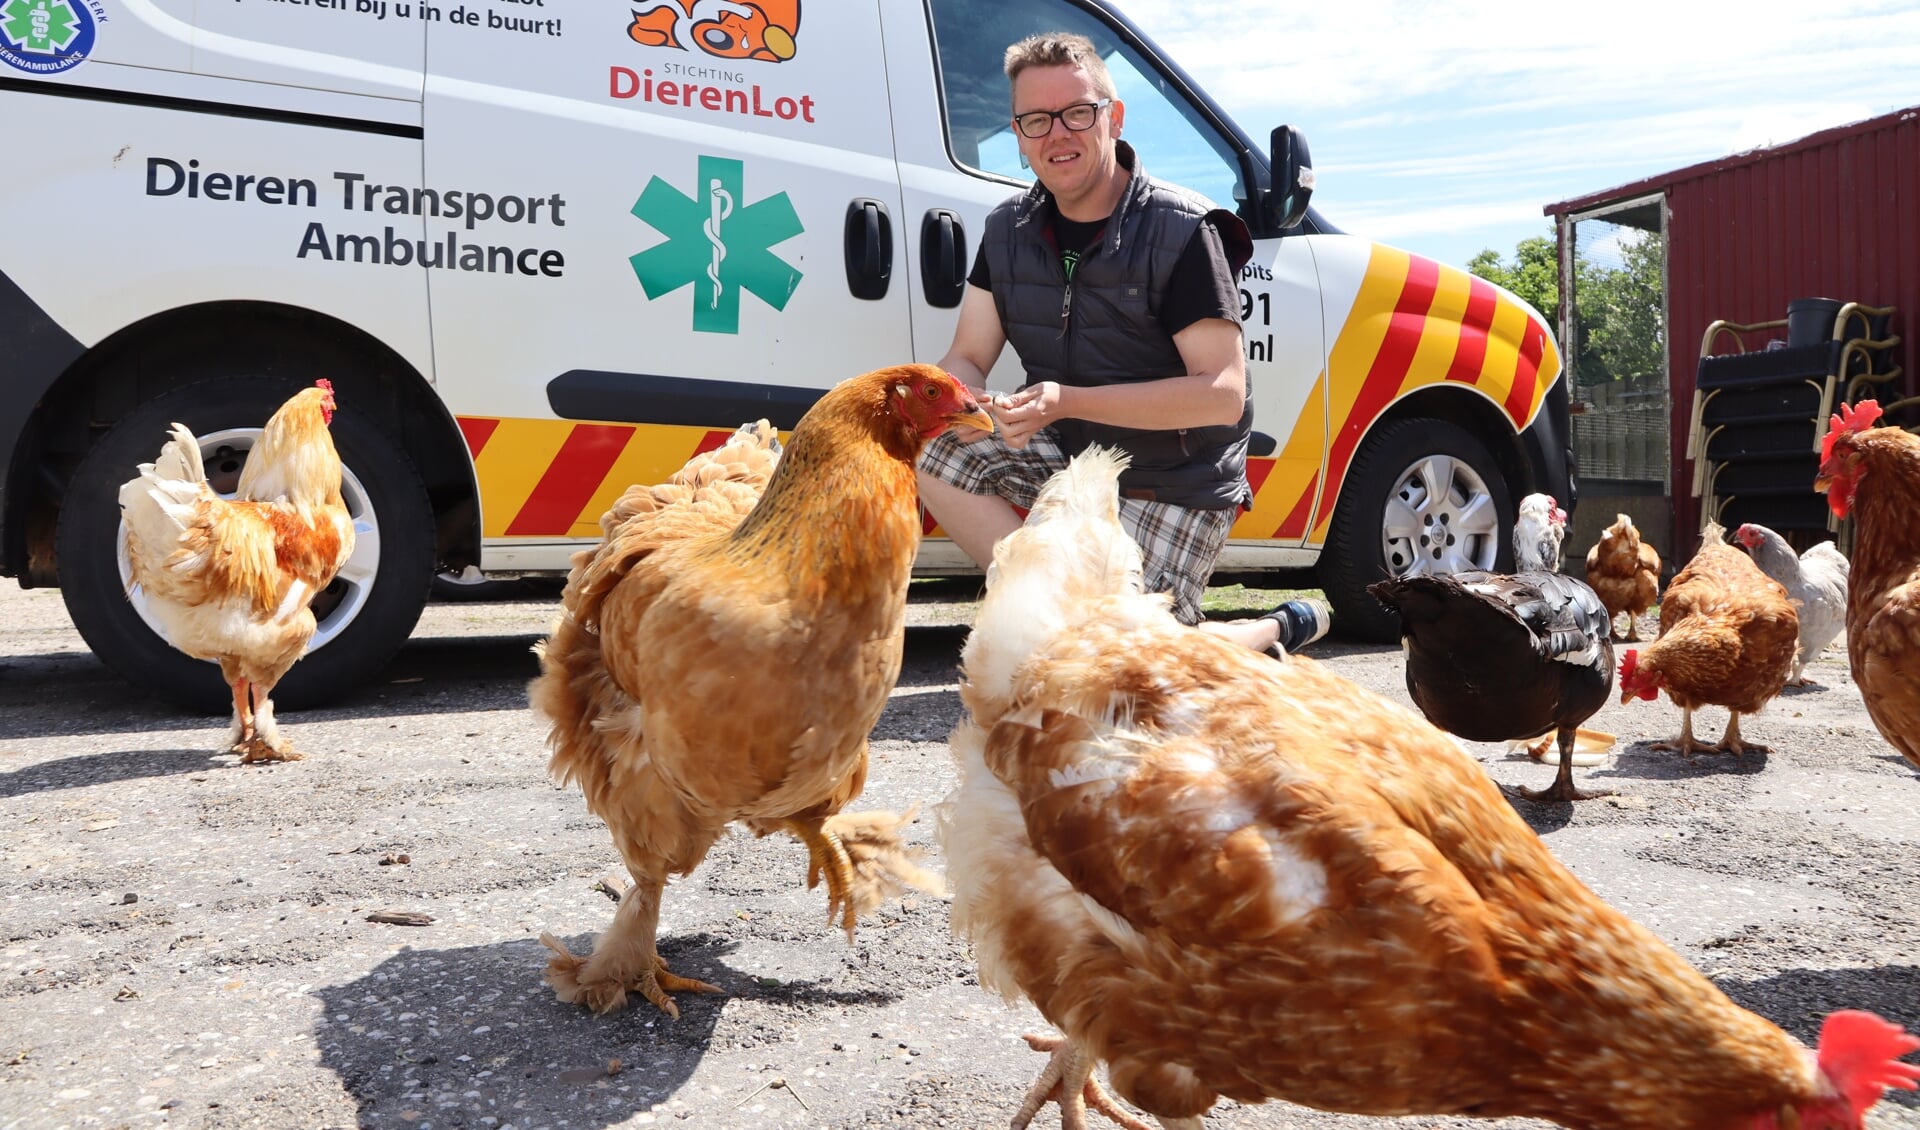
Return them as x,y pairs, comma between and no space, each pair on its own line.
1202,284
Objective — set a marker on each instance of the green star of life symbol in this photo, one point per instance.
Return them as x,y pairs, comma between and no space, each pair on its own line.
716,243
40,27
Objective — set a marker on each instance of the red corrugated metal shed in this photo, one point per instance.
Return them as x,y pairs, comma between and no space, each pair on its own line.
1835,214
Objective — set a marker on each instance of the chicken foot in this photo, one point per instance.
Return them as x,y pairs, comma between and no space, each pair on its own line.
1687,745
1730,741
1684,744
1562,789
253,734
623,958
1069,1080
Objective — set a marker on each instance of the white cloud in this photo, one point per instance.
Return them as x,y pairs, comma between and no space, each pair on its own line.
1380,54
1444,123
1384,221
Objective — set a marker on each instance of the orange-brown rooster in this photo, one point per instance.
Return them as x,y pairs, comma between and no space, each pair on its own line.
1728,637
230,580
1873,476
724,652
1222,875
1624,572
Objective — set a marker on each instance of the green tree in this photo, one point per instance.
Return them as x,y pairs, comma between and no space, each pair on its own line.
1534,274
1620,313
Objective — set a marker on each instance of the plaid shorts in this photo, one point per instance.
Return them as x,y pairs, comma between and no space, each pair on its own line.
1179,544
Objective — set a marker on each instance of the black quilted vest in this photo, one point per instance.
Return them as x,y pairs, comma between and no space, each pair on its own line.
1104,329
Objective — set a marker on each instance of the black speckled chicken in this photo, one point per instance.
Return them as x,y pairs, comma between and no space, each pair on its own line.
1497,657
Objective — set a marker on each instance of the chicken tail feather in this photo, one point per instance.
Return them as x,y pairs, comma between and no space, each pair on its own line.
180,458
162,502
1861,1054
1072,549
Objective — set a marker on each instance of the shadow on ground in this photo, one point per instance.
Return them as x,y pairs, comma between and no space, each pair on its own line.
455,1036
97,769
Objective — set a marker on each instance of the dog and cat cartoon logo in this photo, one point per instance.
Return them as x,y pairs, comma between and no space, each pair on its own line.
765,32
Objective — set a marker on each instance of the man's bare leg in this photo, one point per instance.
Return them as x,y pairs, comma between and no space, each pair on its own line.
975,522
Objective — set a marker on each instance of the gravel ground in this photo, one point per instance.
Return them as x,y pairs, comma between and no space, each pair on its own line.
188,942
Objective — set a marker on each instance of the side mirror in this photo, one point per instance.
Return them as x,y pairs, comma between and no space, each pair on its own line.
1292,183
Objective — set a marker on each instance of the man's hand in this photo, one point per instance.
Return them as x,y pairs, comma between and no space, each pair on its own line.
1025,412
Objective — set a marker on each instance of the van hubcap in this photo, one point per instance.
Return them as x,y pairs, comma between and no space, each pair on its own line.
1440,518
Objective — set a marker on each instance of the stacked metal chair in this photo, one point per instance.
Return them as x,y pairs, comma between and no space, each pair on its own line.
1761,403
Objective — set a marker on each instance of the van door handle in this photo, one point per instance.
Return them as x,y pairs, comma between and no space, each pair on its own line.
943,257
869,248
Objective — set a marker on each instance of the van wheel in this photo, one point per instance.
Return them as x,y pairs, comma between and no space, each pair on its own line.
1423,496
364,615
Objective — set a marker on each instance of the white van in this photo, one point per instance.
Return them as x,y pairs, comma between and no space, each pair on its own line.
545,249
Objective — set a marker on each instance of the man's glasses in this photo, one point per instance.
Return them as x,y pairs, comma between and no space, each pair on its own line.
1077,117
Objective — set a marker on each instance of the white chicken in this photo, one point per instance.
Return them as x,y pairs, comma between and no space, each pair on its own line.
1816,582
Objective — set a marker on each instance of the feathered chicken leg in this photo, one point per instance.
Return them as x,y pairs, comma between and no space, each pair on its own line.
827,854
1069,1080
623,958
861,855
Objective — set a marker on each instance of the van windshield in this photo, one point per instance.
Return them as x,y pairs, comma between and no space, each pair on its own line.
1175,141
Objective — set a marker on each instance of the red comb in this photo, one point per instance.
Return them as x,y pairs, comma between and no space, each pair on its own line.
323,383
1851,419
1628,663
1861,1054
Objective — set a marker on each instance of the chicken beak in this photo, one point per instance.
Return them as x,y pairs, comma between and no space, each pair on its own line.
974,417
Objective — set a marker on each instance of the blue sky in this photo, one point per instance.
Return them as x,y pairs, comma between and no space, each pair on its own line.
1443,127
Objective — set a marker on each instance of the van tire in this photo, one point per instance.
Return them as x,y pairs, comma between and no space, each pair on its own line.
379,620
1355,557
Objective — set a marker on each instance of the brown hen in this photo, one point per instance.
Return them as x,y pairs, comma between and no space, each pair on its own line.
1873,476
1624,572
1225,876
723,653
1728,637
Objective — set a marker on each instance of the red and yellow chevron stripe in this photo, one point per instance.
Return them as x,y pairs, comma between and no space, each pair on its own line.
1414,323
551,479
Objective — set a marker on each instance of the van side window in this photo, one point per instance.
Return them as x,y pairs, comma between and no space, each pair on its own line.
1174,139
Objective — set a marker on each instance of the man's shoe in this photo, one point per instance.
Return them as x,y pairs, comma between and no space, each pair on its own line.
1301,622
